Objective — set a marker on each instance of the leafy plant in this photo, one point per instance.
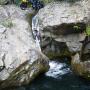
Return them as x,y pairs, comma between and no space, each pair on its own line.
88,30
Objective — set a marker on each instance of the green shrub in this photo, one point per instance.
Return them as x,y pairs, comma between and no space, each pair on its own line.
88,30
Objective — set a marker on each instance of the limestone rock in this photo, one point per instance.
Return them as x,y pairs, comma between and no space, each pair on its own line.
63,22
58,13
81,68
2,2
20,59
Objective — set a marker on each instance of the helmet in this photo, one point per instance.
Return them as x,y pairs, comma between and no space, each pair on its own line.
24,0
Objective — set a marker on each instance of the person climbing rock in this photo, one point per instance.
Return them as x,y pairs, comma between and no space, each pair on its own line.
23,4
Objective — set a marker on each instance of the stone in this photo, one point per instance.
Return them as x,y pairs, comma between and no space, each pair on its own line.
20,60
81,68
63,22
62,26
3,2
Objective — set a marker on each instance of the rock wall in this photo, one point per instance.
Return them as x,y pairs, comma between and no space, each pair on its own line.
20,59
65,23
62,26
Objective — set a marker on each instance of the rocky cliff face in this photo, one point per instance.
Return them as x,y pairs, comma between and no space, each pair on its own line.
62,26
65,23
20,59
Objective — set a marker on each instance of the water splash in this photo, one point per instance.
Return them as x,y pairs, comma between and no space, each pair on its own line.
57,69
36,32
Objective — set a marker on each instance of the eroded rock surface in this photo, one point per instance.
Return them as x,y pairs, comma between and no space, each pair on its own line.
63,22
20,59
62,26
81,68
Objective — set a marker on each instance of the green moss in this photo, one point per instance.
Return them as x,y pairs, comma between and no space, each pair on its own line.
88,30
7,23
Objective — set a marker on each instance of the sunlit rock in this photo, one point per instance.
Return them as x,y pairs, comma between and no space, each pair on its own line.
65,23
20,59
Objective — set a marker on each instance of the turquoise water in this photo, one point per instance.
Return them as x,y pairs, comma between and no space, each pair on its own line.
59,77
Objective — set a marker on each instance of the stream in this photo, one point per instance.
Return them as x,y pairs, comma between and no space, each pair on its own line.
59,77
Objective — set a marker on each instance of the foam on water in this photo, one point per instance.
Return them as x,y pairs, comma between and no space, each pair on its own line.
57,69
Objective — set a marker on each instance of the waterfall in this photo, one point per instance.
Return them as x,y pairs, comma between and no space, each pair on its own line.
36,32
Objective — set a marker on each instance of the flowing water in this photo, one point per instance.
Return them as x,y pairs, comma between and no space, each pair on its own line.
36,33
59,77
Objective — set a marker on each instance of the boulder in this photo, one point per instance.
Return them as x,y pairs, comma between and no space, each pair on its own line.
81,61
81,68
20,60
63,22
62,26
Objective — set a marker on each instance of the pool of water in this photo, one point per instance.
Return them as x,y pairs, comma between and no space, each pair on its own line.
59,77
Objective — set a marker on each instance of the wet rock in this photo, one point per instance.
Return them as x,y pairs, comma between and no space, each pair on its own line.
62,26
20,59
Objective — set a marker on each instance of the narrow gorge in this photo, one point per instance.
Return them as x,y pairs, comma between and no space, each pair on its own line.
46,49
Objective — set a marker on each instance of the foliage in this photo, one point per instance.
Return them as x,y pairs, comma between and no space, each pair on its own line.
88,30
7,23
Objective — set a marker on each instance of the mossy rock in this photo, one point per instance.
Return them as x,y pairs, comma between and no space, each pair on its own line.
52,55
7,23
25,74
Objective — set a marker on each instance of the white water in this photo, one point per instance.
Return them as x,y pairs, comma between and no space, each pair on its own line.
36,32
57,69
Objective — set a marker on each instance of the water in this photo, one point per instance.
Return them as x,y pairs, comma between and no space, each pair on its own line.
59,77
36,32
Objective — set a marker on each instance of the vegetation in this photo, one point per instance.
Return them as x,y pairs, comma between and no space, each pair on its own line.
88,30
7,23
